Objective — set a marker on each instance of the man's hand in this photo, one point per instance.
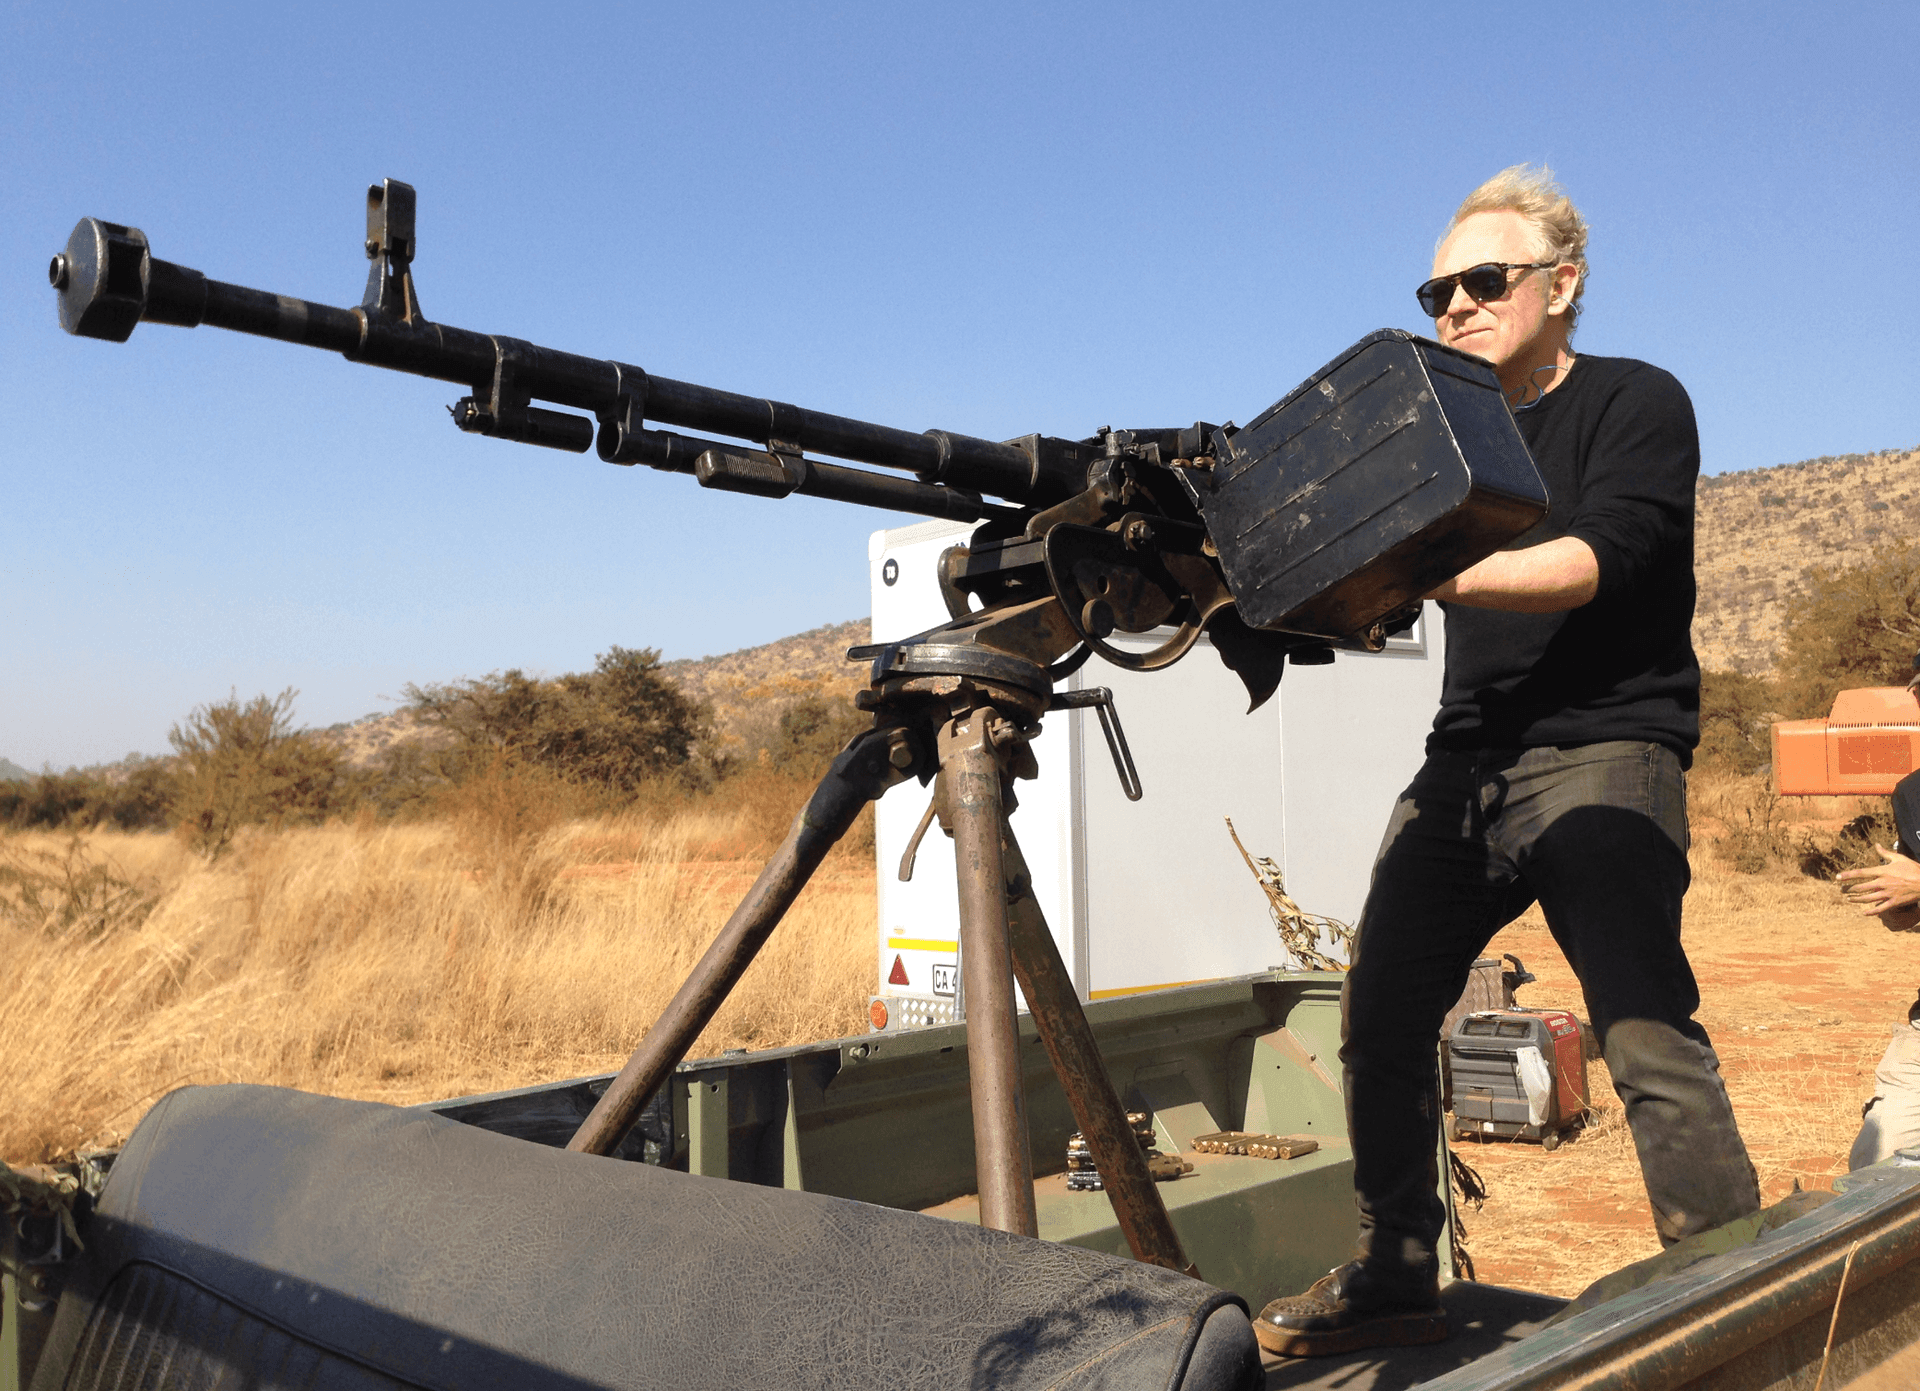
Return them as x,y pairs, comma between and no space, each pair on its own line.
1551,577
1890,892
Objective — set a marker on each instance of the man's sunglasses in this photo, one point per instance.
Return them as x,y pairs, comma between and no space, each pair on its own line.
1484,282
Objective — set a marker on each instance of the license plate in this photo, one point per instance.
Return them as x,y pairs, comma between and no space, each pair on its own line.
943,978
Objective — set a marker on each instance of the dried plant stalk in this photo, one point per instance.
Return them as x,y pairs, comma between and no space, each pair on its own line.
1300,931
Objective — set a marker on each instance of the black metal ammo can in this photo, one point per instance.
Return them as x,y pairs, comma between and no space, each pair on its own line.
1387,472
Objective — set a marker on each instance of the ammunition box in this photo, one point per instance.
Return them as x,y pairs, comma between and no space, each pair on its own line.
1384,474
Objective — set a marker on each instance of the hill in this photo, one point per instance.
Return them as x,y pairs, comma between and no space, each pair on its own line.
749,690
1758,534
1760,531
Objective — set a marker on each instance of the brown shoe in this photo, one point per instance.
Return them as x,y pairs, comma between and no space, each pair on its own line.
1348,1309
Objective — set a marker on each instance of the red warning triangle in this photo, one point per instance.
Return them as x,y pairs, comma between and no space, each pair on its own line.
898,975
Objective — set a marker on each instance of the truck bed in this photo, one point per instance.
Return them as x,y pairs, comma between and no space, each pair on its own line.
721,1242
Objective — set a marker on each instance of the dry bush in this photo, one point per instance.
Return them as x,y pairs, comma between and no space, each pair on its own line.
243,764
1852,626
1745,818
1854,846
1742,822
400,963
615,727
68,891
1737,712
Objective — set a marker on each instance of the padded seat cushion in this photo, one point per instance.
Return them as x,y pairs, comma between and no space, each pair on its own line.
384,1245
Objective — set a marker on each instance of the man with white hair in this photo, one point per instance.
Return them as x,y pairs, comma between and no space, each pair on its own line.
1554,774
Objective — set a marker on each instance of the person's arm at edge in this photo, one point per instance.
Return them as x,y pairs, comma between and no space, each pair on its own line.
1551,577
1888,890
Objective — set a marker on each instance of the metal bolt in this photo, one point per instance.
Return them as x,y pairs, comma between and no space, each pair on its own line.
900,755
1139,533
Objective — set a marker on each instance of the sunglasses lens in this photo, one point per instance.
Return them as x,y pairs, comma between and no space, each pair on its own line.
1484,282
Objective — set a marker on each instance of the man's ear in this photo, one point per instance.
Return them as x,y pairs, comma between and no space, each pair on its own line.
1566,278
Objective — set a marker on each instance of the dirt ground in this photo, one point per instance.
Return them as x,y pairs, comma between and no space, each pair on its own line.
1798,992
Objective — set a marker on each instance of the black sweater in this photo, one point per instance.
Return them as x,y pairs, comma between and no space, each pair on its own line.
1617,448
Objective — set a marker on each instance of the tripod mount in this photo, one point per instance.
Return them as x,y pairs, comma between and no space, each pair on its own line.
959,706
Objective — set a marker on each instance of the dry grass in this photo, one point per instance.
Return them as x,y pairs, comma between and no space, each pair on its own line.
507,943
396,962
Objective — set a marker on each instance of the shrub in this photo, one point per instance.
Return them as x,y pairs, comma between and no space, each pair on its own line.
1853,848
142,799
811,732
242,764
1737,712
1849,627
616,727
1753,835
135,795
49,800
69,892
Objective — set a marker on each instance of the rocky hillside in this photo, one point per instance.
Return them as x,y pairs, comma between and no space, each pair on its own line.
1760,531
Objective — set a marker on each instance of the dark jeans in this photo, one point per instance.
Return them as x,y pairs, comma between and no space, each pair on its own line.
1598,835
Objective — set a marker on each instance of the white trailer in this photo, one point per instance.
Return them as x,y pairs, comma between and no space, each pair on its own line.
1143,895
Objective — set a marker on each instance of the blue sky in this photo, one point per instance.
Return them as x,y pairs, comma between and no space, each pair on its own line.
990,219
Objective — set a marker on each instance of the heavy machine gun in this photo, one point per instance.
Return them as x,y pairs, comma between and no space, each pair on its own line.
1319,525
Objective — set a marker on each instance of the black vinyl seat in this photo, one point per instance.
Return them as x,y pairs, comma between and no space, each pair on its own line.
254,1237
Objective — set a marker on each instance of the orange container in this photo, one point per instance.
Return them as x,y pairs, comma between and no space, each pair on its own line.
1867,744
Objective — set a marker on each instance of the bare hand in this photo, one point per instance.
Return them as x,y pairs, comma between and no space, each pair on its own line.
1890,892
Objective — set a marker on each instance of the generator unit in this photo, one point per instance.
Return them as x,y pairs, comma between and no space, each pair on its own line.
1866,744
1517,1075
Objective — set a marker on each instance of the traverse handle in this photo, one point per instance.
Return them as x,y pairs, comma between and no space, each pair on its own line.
1100,700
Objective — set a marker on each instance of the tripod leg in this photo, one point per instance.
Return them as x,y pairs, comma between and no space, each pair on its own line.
970,794
858,776
1083,1076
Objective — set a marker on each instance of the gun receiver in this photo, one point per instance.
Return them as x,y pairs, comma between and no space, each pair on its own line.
1318,526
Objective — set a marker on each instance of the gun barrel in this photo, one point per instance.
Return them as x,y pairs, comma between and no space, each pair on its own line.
109,281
